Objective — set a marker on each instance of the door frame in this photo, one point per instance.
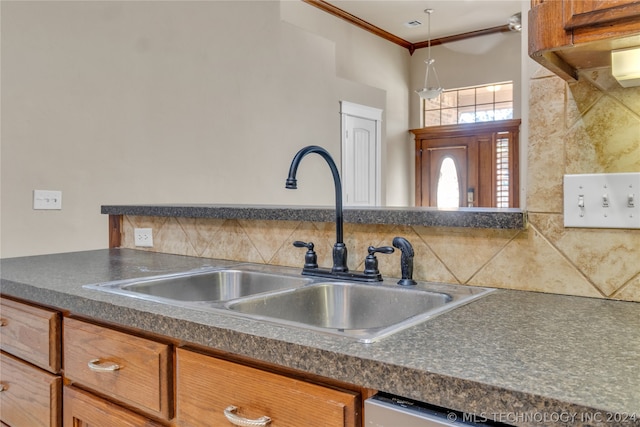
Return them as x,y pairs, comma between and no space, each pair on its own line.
369,113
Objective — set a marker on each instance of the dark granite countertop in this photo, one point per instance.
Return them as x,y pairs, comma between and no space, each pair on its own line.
524,358
430,217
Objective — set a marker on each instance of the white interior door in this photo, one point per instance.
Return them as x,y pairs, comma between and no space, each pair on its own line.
361,155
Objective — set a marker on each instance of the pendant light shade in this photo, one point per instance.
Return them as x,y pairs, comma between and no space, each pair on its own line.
432,88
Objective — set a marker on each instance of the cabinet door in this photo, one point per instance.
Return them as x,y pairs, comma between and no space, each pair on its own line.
29,397
134,370
84,410
31,333
206,387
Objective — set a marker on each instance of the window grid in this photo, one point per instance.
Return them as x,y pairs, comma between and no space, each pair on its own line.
502,172
470,105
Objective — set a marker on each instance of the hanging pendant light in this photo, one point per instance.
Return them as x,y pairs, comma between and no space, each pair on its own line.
430,92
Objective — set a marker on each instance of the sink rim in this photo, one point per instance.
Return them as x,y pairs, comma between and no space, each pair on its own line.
460,296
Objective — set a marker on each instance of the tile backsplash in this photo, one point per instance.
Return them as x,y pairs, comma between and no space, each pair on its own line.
592,126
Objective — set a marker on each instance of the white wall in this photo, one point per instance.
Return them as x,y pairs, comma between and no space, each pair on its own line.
178,102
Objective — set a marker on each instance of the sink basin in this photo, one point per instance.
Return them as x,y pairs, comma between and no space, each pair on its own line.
202,286
363,311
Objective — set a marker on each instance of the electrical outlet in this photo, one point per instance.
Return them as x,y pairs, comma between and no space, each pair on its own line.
143,237
47,200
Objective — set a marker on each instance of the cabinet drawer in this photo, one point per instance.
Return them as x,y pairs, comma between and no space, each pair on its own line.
83,409
30,397
134,370
31,333
206,386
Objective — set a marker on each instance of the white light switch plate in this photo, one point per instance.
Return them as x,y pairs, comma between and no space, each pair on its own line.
47,199
609,200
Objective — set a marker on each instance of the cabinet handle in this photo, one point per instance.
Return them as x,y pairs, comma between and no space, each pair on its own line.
244,422
3,387
96,366
3,322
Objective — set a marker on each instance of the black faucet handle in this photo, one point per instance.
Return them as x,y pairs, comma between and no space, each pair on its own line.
381,250
310,258
300,244
371,262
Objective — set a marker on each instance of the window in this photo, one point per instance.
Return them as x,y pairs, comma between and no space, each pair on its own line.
470,105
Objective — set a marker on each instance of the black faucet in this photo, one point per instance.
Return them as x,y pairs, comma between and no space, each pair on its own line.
339,249
406,261
339,269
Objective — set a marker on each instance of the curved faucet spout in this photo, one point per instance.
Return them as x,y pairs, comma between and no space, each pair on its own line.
339,249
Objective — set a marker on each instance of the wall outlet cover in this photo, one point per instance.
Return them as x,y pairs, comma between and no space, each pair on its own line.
143,237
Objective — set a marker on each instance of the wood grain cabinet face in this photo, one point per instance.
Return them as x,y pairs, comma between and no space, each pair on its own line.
31,333
30,397
84,410
205,386
133,370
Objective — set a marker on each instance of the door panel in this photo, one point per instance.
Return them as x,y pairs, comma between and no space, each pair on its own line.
359,170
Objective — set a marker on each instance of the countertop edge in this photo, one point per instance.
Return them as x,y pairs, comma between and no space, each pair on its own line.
428,217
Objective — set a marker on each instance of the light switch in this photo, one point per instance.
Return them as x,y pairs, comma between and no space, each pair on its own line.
47,199
602,200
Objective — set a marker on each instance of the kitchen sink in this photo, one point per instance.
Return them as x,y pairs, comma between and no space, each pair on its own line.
202,286
365,312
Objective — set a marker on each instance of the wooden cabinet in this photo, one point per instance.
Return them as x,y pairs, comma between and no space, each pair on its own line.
30,392
82,409
568,35
130,369
29,396
119,379
207,388
31,333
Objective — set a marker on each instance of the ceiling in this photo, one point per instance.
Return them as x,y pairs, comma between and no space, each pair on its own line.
449,17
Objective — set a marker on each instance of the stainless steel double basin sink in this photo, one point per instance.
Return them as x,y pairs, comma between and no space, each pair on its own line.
362,311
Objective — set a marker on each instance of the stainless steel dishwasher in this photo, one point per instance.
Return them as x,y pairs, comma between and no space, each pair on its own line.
384,410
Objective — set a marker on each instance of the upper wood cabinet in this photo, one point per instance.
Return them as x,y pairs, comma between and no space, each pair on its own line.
568,35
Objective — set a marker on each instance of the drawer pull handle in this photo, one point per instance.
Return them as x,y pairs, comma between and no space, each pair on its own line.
3,387
3,322
244,422
96,366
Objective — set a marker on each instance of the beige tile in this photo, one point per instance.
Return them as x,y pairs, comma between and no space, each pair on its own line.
465,250
268,236
322,235
358,238
615,133
630,291
545,152
608,258
530,263
172,239
201,231
602,78
231,242
581,153
426,265
581,96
